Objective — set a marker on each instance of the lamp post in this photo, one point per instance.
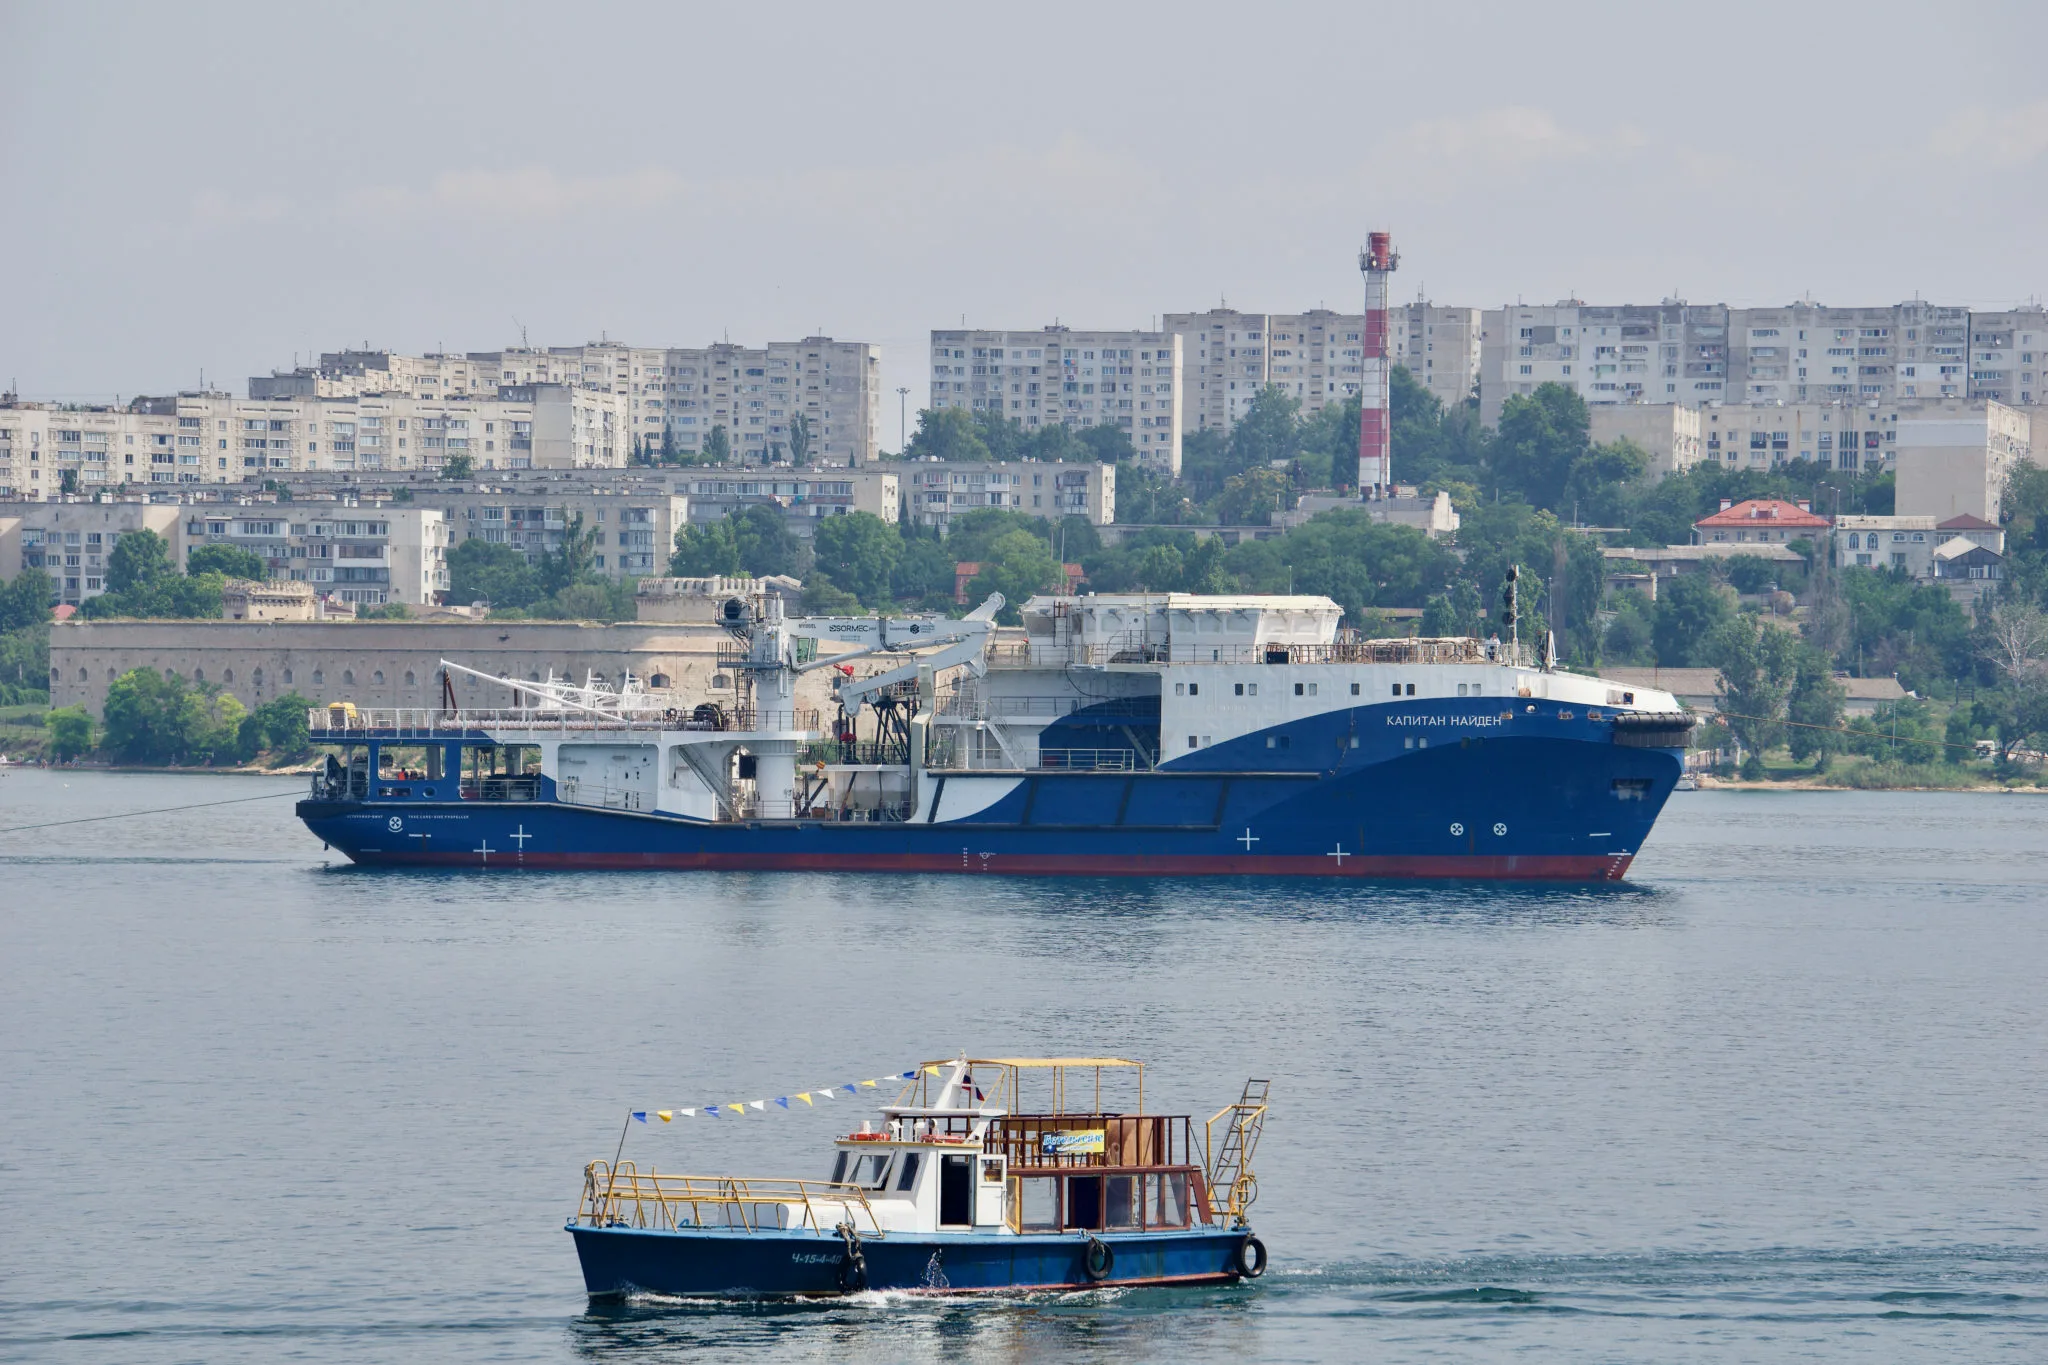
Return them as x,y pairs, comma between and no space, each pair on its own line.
902,420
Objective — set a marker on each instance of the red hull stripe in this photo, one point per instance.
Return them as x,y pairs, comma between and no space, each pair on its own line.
1572,867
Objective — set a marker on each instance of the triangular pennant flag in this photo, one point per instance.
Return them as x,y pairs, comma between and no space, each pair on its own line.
851,1089
871,1084
908,1076
640,1114
805,1096
711,1111
758,1104
826,1092
664,1115
687,1113
782,1100
931,1071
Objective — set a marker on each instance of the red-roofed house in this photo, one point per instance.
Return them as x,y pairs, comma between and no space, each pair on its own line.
1762,521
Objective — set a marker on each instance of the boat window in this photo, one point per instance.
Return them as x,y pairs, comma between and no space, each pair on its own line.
410,762
1038,1203
1194,689
1354,689
872,1170
839,1169
1166,1200
1123,1204
1084,1202
909,1176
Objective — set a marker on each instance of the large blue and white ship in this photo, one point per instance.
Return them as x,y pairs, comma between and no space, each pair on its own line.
1160,733
960,1187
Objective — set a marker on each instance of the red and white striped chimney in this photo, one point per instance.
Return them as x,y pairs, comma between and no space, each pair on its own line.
1375,423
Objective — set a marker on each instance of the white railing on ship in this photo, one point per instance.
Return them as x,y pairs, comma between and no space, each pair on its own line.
1038,654
328,721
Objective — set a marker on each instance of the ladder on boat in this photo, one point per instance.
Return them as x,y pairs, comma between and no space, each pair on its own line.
1232,1184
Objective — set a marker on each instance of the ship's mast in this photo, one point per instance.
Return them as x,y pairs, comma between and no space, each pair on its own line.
1375,425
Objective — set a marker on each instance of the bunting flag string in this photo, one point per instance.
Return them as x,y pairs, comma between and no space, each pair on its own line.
809,1098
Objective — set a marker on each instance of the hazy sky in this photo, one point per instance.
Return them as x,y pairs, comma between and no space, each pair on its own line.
219,186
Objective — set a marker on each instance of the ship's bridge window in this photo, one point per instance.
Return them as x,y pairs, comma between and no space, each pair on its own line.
872,1170
410,762
909,1175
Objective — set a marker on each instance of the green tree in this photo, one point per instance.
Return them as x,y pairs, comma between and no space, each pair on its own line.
1750,573
707,551
717,446
579,602
138,560
570,563
460,465
1540,437
1690,609
1815,707
70,731
67,482
946,434
393,610
229,561
857,553
1016,564
146,718
799,439
1252,497
823,599
481,571
1758,665
1105,445
1630,637
923,574
766,544
25,602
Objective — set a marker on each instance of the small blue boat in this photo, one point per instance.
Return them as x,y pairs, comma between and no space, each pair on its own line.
958,1189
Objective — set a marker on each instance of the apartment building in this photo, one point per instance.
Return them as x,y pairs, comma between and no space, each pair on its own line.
1801,353
211,437
70,541
935,491
669,398
804,495
1317,357
1955,459
1670,433
634,528
1061,377
363,555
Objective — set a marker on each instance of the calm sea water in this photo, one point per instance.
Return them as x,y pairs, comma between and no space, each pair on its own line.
1778,1098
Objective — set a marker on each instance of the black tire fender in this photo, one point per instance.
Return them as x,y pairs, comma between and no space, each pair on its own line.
1250,1259
853,1274
1099,1260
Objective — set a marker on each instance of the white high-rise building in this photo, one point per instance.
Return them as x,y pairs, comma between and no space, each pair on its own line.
1228,356
671,398
1061,377
1799,353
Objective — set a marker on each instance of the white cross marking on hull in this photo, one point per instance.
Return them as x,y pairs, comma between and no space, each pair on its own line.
522,836
1340,855
1248,839
485,849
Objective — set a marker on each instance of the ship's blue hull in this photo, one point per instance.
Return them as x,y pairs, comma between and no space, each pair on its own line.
1439,789
713,1262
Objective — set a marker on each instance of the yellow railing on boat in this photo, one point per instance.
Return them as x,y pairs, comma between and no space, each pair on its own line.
622,1196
